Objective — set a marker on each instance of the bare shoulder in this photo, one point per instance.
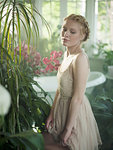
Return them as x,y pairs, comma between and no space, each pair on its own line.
82,59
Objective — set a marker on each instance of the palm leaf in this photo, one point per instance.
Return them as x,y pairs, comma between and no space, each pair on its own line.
3,6
24,26
26,17
34,20
43,20
5,28
18,20
7,33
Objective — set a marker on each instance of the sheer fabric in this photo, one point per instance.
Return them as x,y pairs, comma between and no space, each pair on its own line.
85,134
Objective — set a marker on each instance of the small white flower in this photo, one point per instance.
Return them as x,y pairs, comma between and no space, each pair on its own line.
35,130
5,101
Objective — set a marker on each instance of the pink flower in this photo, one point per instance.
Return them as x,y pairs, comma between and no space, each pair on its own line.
25,47
51,58
47,68
56,68
56,61
52,63
26,56
37,56
46,60
33,58
54,54
51,67
37,72
33,52
17,48
43,71
60,53
37,62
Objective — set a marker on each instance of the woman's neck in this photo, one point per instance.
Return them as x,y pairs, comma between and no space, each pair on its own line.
73,50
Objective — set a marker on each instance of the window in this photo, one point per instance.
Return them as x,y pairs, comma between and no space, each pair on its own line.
52,12
104,18
76,6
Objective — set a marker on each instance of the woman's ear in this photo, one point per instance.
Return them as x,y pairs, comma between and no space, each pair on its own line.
82,37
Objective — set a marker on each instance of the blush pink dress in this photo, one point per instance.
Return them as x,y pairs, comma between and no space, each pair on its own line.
85,134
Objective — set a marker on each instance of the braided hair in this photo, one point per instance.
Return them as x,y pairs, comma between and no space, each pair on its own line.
83,22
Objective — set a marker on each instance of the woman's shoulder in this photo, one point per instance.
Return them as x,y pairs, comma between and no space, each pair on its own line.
82,54
81,58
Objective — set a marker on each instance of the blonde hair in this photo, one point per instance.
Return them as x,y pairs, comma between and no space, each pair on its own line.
84,24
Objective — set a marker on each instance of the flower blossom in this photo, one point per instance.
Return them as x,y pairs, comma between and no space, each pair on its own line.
52,63
33,58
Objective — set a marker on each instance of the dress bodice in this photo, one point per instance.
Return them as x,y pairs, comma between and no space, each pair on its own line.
65,77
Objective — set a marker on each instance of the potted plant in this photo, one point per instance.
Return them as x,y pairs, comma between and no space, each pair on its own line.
103,110
97,56
108,66
98,48
28,110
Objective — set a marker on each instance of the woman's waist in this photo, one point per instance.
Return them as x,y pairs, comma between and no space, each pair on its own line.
65,92
64,98
68,96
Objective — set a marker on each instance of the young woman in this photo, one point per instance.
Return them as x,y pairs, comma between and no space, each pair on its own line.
71,124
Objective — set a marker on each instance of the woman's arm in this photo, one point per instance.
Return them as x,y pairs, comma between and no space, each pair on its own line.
50,117
80,75
54,102
57,92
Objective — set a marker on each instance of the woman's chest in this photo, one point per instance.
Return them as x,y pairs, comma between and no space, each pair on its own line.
65,75
66,64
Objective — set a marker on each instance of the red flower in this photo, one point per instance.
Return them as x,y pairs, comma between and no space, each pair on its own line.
60,53
56,61
46,60
34,59
52,63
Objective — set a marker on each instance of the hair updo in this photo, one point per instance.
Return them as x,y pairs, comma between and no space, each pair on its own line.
84,24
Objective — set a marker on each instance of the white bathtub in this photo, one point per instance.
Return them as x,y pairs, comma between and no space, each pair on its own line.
49,83
95,79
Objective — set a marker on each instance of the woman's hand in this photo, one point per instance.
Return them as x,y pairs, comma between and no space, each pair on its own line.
49,120
64,136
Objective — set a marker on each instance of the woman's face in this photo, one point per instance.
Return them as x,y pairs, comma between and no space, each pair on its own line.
71,33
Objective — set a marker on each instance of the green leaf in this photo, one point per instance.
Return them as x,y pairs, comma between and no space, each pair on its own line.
8,30
30,139
18,20
3,6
